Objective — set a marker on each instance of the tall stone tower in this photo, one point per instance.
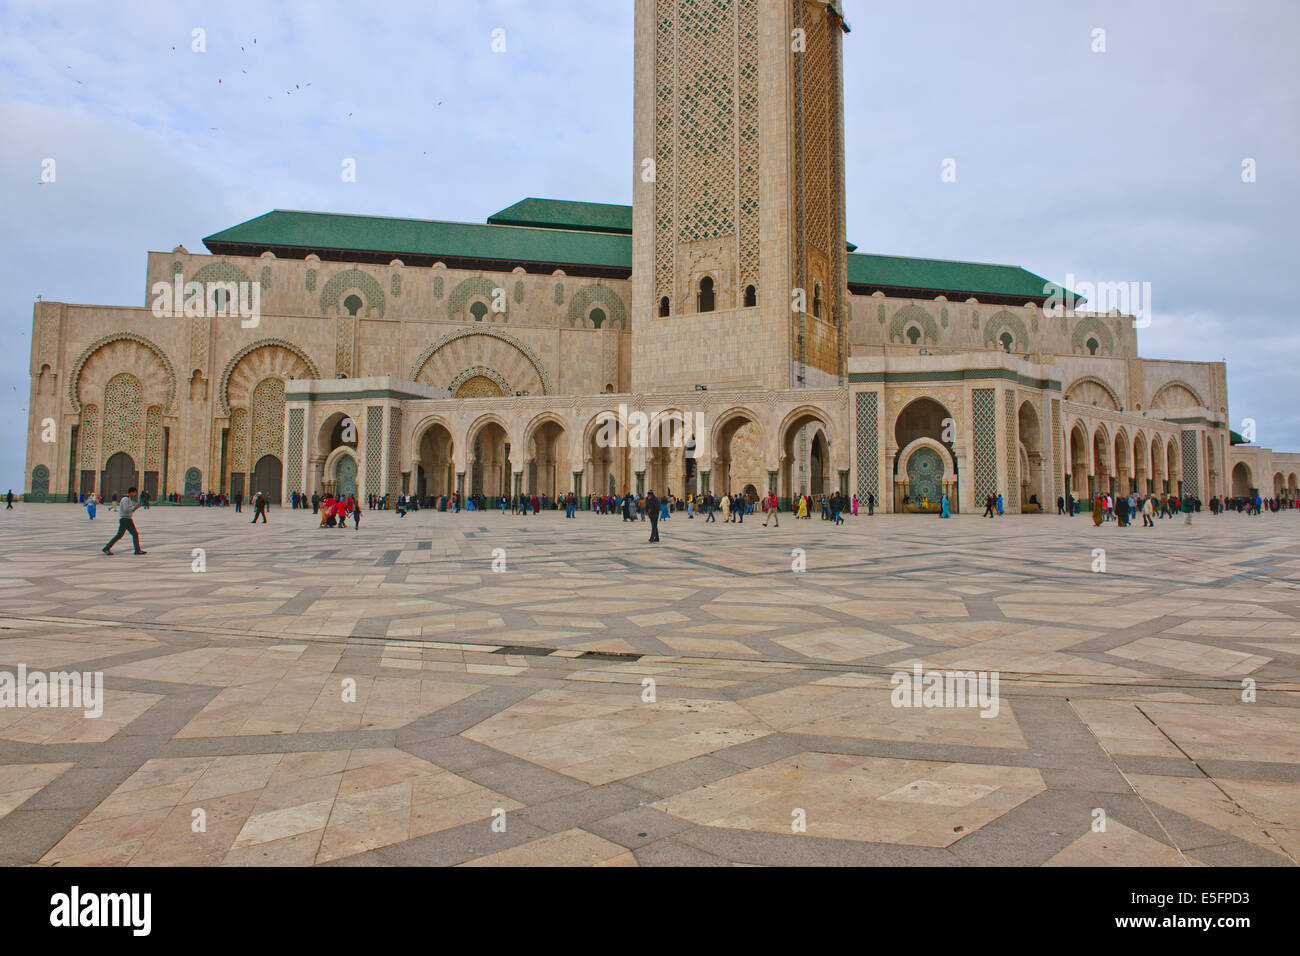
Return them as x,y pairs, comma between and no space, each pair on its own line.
738,232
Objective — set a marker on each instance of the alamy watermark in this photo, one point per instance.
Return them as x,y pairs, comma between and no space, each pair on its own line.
1126,298
177,299
922,688
35,689
666,429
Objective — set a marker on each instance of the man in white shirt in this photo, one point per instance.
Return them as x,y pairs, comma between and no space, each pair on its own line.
125,524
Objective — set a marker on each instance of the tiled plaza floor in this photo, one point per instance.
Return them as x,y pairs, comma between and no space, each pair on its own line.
384,696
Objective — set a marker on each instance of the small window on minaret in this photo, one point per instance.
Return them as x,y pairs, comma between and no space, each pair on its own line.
1092,346
353,304
1008,343
706,294
478,310
817,299
751,297
663,306
914,335
597,317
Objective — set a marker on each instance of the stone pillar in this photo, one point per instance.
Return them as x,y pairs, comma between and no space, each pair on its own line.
965,485
460,485
519,483
640,482
771,480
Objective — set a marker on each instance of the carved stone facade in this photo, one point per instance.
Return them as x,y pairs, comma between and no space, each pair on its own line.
730,305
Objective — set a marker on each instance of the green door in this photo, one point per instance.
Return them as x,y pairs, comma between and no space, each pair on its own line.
345,476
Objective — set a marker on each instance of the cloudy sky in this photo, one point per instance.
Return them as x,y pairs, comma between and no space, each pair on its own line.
1123,165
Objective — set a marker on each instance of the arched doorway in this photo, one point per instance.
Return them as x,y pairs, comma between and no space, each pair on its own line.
1031,458
1101,477
119,475
669,468
1241,481
343,481
925,477
926,419
338,430
1080,487
805,454
267,476
435,465
1172,470
489,458
1123,479
818,463
606,455
737,453
1158,485
544,456
1141,478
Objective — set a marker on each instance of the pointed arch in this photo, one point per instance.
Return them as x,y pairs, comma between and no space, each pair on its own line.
1005,321
1084,382
77,368
223,386
1092,327
352,279
589,296
471,288
909,315
423,358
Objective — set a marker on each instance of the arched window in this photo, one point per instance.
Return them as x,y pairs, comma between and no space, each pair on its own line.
478,310
664,307
1008,341
817,299
751,297
706,294
597,317
353,304
1093,345
913,334
220,300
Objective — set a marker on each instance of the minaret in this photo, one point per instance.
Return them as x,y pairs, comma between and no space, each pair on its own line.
738,231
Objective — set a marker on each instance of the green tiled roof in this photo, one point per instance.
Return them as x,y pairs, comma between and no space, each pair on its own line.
945,275
567,234
560,214
287,229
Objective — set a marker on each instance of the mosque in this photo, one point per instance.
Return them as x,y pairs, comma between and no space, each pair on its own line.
311,352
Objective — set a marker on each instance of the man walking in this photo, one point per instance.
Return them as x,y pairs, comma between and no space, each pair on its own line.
9,499
259,508
125,523
652,509
772,507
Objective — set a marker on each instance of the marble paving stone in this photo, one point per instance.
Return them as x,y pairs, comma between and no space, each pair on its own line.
605,702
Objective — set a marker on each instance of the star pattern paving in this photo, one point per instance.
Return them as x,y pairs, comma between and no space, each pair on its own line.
383,696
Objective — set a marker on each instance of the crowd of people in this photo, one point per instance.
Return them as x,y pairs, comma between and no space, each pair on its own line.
335,510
